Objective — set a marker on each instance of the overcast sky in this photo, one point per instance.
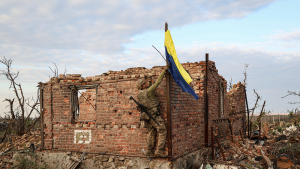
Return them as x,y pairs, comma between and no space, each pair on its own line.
93,37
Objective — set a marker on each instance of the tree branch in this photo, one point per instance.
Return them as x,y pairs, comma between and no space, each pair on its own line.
32,108
257,98
33,124
291,93
294,102
11,102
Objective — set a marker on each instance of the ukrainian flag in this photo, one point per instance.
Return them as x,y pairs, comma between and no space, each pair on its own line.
181,77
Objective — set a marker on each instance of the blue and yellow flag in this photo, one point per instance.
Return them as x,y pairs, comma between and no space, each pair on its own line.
181,77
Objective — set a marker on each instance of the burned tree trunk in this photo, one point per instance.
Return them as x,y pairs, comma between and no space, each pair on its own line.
17,114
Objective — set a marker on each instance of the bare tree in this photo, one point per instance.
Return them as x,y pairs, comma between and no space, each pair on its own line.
245,73
230,86
24,107
258,97
55,76
292,93
55,71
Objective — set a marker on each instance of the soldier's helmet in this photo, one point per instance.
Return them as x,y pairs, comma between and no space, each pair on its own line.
140,82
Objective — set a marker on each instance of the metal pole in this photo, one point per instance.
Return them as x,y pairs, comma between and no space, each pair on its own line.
249,127
242,136
206,99
212,143
219,146
42,117
230,127
169,119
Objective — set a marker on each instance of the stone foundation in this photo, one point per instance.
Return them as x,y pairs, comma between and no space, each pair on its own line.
192,160
62,160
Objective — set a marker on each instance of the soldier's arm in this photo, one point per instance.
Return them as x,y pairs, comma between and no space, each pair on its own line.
151,89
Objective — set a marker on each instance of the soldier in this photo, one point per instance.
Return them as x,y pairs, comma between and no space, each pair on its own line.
147,97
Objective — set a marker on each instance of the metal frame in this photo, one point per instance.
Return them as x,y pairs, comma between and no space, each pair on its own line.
77,88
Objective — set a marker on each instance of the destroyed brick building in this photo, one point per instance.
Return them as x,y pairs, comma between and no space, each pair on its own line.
106,121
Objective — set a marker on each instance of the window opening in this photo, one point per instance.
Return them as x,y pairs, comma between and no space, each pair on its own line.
83,100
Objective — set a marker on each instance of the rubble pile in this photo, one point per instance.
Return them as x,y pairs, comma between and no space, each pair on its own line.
290,130
240,153
281,148
22,142
19,144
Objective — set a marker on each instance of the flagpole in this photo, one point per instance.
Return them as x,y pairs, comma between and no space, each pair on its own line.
169,125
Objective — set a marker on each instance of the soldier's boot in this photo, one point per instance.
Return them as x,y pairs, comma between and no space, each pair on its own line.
150,153
160,153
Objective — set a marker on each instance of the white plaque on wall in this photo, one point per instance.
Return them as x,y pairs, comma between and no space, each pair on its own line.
82,136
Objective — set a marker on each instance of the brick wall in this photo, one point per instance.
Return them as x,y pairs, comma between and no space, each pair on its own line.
87,105
114,126
217,84
237,105
232,100
187,114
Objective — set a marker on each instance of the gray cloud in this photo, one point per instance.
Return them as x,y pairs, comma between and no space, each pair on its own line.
103,26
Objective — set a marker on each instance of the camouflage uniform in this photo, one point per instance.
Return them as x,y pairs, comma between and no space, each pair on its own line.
148,99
